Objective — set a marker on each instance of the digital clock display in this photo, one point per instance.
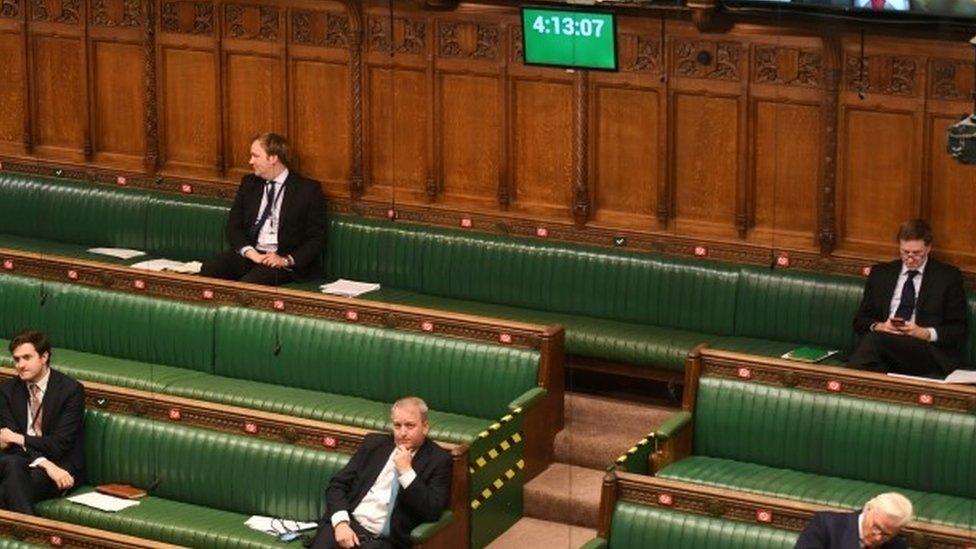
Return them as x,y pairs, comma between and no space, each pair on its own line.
569,38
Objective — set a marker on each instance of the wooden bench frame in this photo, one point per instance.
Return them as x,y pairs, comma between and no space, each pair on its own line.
744,507
317,435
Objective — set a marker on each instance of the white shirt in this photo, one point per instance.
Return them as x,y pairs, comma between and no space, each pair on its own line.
268,235
372,510
896,5
896,297
42,383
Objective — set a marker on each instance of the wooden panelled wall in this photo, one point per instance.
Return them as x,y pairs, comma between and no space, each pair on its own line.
770,136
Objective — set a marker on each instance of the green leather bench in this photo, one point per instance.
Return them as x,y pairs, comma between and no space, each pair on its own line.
821,435
205,483
331,371
642,310
636,526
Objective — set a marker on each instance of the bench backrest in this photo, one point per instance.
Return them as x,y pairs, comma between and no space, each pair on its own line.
797,306
912,447
379,364
185,230
635,526
558,277
208,468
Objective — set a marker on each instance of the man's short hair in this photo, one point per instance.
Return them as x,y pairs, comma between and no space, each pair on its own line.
894,505
276,145
35,338
411,401
915,229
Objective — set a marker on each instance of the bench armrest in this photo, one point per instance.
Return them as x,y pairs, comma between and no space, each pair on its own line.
672,441
595,543
424,532
528,398
671,426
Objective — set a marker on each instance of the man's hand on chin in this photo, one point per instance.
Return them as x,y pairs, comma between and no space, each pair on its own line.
345,537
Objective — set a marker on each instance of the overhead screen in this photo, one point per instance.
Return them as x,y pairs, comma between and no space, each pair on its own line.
569,38
955,9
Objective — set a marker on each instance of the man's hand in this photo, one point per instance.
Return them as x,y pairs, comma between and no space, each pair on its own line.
8,437
887,327
345,537
909,328
402,460
62,479
255,256
274,261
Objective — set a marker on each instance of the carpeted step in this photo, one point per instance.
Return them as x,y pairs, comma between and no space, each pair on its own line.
565,493
530,533
599,429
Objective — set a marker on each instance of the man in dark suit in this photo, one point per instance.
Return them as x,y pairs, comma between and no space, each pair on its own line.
405,471
877,525
42,413
276,226
912,318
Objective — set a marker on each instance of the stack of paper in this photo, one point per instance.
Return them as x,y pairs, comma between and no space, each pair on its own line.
121,253
348,288
191,267
958,376
276,526
103,502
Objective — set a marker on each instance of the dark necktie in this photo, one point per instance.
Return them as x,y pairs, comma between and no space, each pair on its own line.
263,218
907,305
36,408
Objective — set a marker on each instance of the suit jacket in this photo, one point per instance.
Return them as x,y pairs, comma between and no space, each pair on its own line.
940,304
62,422
423,501
301,228
828,530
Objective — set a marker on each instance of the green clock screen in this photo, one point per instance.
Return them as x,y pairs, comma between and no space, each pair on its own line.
569,38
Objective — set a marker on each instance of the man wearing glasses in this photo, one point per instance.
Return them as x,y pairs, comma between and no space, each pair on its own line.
876,525
912,318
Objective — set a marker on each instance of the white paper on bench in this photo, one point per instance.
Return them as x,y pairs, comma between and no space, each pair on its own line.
276,527
191,267
348,288
121,253
103,502
958,376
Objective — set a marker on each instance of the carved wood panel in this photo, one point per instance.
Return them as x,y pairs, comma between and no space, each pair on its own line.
706,166
12,74
118,13
952,187
188,110
397,133
884,74
640,53
58,80
119,103
321,123
951,79
543,114
252,22
409,35
187,17
787,169
254,87
317,28
716,60
10,9
475,41
470,138
57,11
787,66
627,170
879,185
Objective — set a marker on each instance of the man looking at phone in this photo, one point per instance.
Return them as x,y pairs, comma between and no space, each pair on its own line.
912,318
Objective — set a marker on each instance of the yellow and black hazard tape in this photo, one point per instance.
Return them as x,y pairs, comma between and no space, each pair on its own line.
633,449
494,453
496,485
498,424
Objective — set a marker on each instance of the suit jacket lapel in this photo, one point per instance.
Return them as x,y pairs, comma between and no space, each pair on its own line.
852,538
929,281
50,398
376,465
19,406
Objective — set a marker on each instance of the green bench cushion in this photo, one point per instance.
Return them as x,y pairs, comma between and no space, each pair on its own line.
378,364
334,408
764,347
635,526
65,249
167,521
833,491
186,229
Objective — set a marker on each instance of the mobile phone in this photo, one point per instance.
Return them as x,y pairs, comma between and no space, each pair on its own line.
895,321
